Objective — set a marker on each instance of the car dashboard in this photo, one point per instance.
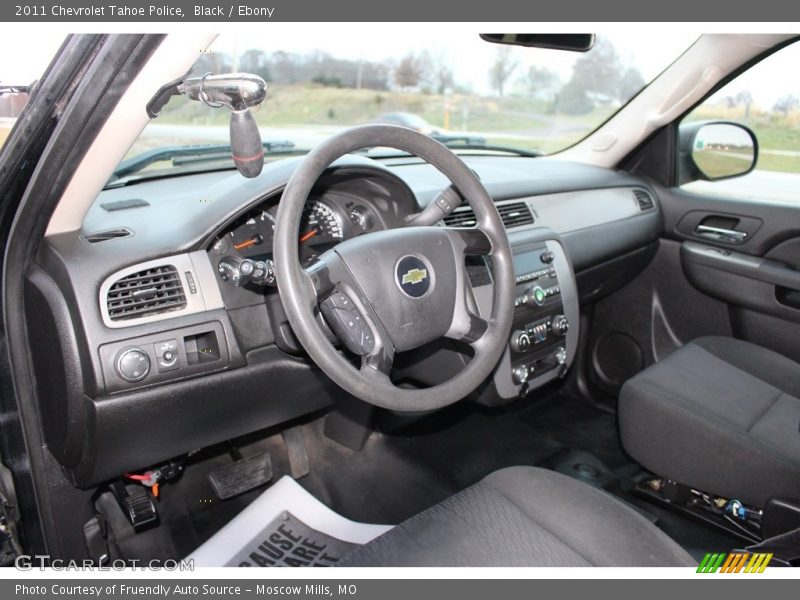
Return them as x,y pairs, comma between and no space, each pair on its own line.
155,345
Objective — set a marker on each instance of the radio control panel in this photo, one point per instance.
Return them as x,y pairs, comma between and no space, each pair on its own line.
544,334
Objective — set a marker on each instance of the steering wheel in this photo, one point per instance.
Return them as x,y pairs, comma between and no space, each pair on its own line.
395,290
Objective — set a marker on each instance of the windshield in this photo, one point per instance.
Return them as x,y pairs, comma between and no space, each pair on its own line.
464,91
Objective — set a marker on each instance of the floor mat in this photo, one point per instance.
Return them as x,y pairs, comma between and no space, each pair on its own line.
404,470
408,465
284,526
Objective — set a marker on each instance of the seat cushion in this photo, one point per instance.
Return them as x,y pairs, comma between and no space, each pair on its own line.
721,415
524,516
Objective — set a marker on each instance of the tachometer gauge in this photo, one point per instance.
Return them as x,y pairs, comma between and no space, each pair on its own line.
252,238
321,225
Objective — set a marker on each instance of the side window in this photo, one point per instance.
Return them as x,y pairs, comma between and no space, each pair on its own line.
766,99
18,74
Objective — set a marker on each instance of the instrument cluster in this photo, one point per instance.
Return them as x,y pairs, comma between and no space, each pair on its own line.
243,252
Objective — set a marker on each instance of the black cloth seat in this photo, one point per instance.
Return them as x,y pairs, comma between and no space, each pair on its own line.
524,516
721,415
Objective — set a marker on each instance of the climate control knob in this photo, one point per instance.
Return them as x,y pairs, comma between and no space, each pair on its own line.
560,325
520,341
560,355
520,374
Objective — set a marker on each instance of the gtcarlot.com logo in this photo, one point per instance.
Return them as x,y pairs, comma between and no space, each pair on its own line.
26,562
734,562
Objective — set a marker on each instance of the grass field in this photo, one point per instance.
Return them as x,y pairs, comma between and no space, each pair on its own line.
513,121
318,105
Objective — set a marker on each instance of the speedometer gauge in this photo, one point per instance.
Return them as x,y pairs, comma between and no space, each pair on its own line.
321,225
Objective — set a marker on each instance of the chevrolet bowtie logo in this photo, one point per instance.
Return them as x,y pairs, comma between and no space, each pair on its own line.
415,276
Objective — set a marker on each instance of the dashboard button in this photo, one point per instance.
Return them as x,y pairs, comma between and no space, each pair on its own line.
167,355
166,346
133,364
347,323
536,296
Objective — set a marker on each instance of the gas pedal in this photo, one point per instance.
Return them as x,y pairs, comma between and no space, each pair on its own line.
241,476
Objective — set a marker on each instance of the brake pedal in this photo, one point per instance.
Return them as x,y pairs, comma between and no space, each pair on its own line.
296,451
241,476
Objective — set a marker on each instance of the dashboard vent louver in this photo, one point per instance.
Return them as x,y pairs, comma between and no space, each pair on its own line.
155,290
644,200
111,234
462,217
513,214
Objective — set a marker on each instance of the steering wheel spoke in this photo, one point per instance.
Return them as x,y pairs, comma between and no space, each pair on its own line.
319,276
378,362
469,329
347,313
469,240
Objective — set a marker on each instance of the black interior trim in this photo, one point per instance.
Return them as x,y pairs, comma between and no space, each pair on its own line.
106,65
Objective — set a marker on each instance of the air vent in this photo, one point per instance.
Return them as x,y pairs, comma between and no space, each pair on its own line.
513,214
644,199
147,292
462,217
104,236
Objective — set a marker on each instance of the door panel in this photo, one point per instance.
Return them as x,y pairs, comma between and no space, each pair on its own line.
701,285
758,277
758,271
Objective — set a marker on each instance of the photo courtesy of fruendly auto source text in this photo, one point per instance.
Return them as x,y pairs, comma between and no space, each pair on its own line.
455,299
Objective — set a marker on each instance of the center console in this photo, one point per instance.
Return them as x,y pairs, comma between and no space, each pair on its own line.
544,333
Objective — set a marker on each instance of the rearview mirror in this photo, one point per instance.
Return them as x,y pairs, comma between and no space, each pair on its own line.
574,42
716,150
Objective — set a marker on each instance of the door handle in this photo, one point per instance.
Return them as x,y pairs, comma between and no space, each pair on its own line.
721,234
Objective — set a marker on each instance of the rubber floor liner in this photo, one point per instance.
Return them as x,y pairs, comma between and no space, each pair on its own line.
285,527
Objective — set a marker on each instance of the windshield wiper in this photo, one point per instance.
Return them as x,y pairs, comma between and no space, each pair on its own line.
181,155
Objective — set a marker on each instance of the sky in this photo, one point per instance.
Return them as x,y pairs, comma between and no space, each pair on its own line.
24,57
769,80
470,56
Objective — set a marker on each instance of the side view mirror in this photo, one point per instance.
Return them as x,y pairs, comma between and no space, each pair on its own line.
714,150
